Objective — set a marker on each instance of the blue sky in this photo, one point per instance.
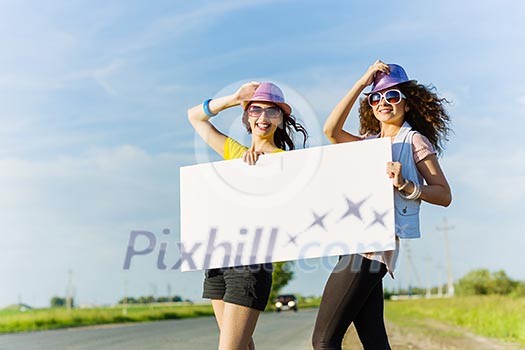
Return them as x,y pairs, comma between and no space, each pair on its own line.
93,128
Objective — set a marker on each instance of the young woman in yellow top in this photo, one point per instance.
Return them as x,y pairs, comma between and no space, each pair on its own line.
239,294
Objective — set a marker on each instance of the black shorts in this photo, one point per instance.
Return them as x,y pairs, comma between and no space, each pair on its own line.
242,285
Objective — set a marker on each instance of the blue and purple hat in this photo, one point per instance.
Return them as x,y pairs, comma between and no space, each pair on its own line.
384,81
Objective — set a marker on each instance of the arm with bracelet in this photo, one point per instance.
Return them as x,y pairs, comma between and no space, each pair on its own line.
199,115
436,190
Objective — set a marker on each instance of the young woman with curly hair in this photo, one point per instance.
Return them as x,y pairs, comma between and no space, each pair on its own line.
240,293
415,120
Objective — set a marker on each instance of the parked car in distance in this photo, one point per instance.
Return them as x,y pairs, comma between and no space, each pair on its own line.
285,302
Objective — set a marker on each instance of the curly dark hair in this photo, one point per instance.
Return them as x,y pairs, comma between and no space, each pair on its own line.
427,114
284,136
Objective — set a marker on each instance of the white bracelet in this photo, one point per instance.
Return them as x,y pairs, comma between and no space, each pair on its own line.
405,184
415,194
418,193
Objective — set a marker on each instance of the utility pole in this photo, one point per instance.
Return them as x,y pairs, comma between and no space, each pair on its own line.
428,292
450,280
409,272
169,292
153,290
411,268
69,301
440,285
125,308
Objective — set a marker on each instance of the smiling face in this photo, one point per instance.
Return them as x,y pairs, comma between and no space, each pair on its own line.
390,113
261,124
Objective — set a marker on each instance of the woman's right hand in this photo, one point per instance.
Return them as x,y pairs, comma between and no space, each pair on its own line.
251,156
246,91
333,127
378,66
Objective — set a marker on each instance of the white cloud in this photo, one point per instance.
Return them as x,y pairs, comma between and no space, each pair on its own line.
490,174
77,212
100,74
521,100
172,26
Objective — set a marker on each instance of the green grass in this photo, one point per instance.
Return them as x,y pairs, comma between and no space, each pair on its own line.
42,319
12,320
493,316
309,303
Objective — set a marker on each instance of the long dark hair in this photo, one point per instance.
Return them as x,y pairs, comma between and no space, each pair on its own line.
427,114
284,136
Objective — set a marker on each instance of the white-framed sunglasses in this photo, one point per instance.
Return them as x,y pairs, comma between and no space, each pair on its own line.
392,97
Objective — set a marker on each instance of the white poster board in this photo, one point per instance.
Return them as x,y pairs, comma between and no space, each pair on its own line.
308,203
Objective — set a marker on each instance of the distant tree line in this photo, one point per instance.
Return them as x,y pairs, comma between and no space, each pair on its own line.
484,282
61,302
388,293
476,282
151,299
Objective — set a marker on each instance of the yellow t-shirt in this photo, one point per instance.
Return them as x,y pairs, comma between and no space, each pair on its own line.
233,149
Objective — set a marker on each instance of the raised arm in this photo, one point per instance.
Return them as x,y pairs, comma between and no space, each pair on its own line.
201,122
333,127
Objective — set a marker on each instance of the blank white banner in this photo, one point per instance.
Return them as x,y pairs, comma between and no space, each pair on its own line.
315,202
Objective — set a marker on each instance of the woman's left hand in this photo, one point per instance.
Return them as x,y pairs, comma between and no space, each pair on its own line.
393,169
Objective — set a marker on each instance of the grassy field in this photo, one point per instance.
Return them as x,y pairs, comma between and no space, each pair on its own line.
41,319
492,316
12,321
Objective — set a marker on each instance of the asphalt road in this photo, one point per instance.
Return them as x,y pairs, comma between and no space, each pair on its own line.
286,330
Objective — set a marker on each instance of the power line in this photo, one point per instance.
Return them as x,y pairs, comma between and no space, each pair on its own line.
450,280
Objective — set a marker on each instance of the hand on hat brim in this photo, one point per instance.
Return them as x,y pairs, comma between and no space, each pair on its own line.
246,91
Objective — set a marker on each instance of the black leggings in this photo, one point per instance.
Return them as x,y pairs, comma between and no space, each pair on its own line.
353,293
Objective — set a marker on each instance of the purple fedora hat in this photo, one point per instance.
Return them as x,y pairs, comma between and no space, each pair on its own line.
384,81
269,92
